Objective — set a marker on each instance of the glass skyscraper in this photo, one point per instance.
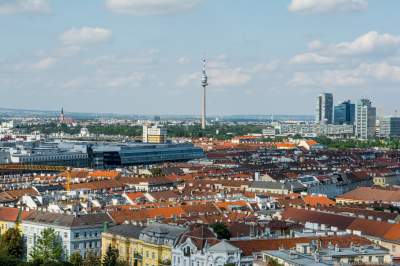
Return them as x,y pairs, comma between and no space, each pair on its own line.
344,113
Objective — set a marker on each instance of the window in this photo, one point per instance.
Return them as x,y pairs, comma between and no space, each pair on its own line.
153,255
76,235
147,254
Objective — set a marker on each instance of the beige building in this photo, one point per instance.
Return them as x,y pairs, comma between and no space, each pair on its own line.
154,134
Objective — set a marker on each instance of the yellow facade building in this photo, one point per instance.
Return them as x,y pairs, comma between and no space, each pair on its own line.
143,246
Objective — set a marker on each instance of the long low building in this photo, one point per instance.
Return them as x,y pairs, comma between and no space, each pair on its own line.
111,156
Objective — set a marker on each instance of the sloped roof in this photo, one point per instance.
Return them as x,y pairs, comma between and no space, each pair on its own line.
68,220
223,246
126,230
372,194
249,247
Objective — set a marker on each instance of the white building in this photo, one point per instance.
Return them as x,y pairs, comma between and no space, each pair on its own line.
154,134
365,119
76,233
188,253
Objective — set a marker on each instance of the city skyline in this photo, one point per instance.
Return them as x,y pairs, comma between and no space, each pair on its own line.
131,57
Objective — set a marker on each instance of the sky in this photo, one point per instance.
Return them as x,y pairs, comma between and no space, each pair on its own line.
145,56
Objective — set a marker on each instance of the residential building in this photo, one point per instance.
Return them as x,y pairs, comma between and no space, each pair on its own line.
125,238
201,247
77,233
143,246
154,134
324,109
389,127
365,119
344,113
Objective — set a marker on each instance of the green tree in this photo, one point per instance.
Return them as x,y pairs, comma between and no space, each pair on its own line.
48,248
91,259
76,259
111,256
156,171
221,230
12,243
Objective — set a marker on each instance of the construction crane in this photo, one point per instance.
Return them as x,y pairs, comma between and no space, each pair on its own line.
68,181
32,167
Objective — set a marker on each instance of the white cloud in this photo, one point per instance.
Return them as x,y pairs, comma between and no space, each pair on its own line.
327,78
311,58
150,7
363,74
371,42
44,63
381,71
324,6
86,35
9,7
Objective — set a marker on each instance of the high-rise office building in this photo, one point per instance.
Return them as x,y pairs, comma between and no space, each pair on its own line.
324,109
154,134
365,119
344,113
389,127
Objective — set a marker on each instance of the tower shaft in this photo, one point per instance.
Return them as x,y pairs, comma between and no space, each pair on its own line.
203,111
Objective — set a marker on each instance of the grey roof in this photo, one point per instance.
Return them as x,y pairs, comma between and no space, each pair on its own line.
268,185
126,230
163,230
45,188
68,220
223,246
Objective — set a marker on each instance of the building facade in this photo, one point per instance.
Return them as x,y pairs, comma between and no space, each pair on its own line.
77,234
389,127
143,246
324,109
154,134
365,119
344,113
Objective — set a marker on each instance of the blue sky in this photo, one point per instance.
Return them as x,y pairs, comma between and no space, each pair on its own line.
144,56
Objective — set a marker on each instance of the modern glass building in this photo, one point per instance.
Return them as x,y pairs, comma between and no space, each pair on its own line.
344,113
111,156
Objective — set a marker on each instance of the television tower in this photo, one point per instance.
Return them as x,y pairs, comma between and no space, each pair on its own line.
204,84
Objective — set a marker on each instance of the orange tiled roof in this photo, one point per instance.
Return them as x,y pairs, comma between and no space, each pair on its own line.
11,214
313,200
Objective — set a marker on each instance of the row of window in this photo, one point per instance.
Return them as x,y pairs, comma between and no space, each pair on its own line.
87,234
88,244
